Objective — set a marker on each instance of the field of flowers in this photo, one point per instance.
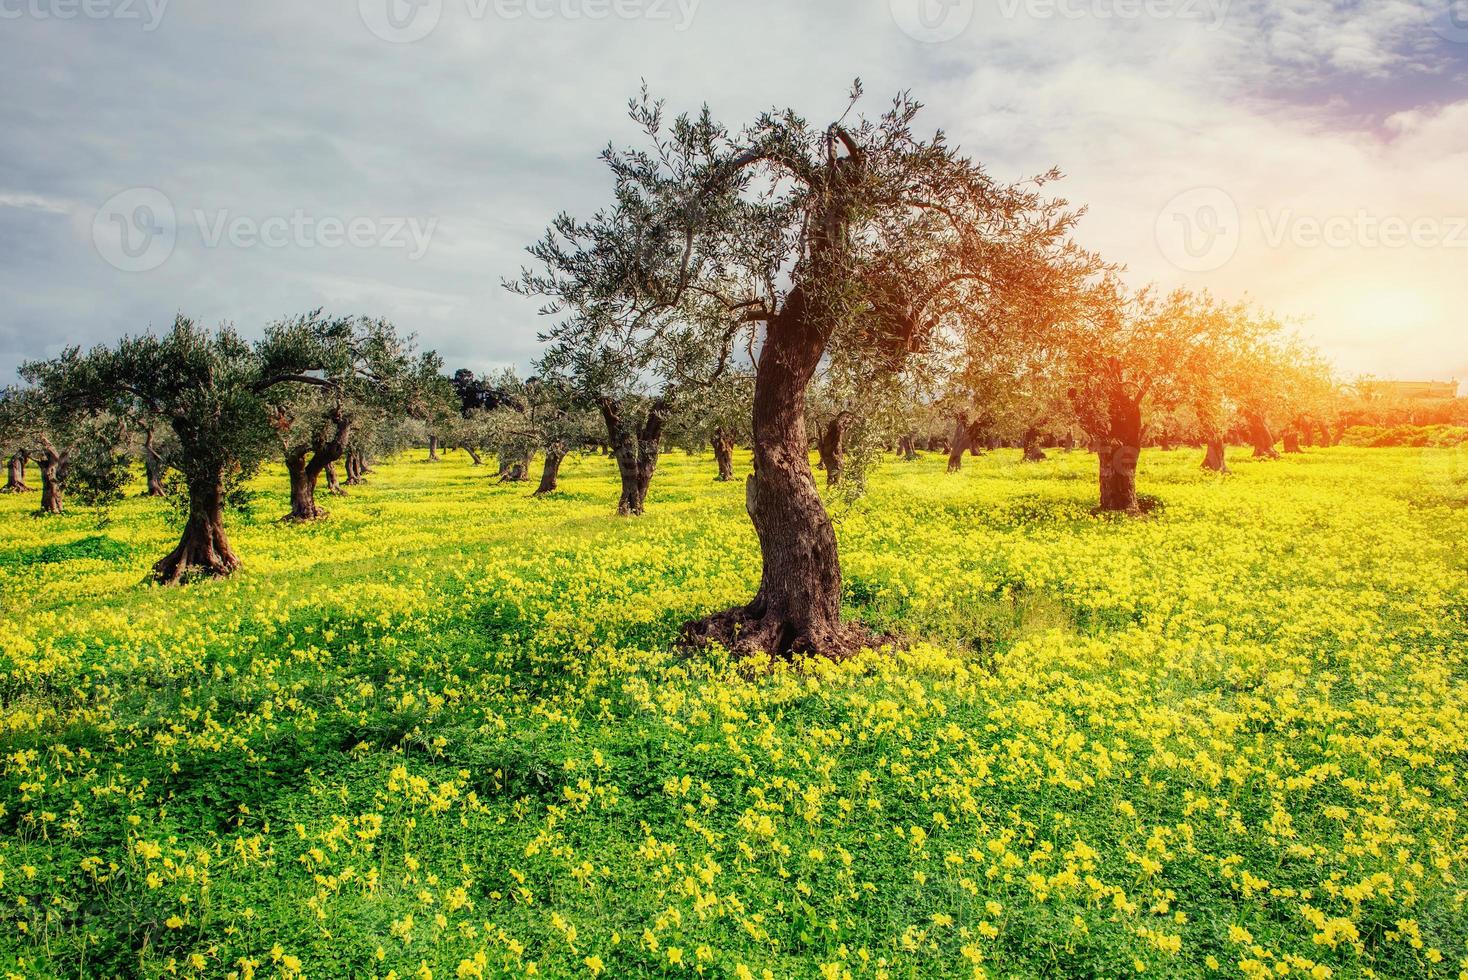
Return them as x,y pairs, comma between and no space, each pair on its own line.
440,734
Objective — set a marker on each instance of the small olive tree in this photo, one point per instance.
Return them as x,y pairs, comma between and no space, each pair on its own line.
58,420
361,373
1128,353
215,391
715,416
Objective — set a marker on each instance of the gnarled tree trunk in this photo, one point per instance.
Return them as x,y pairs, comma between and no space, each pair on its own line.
907,447
798,606
1117,453
305,464
153,466
1033,452
433,449
550,473
15,474
832,446
636,450
1292,441
1216,459
1262,438
53,466
355,468
303,486
474,458
723,443
1118,466
960,444
204,549
331,484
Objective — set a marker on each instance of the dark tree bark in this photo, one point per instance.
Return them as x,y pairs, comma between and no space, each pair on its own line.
53,464
962,441
723,443
433,449
1292,441
1216,459
15,474
305,462
798,606
1262,438
832,446
153,466
1117,453
355,468
331,484
907,447
516,472
474,458
636,449
1118,465
204,549
303,486
550,473
1033,452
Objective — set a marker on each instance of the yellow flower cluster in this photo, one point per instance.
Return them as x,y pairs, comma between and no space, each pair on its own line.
443,734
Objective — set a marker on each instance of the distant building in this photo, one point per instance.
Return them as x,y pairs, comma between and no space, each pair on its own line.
1409,391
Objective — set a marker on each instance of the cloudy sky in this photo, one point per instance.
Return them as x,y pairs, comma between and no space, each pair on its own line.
247,161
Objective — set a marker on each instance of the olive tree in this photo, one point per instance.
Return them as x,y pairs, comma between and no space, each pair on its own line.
596,358
215,390
715,416
557,422
856,242
359,369
157,447
59,421
1276,382
1127,353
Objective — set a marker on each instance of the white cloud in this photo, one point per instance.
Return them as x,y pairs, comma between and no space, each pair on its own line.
489,126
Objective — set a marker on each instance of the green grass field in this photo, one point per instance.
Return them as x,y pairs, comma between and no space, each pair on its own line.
442,734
